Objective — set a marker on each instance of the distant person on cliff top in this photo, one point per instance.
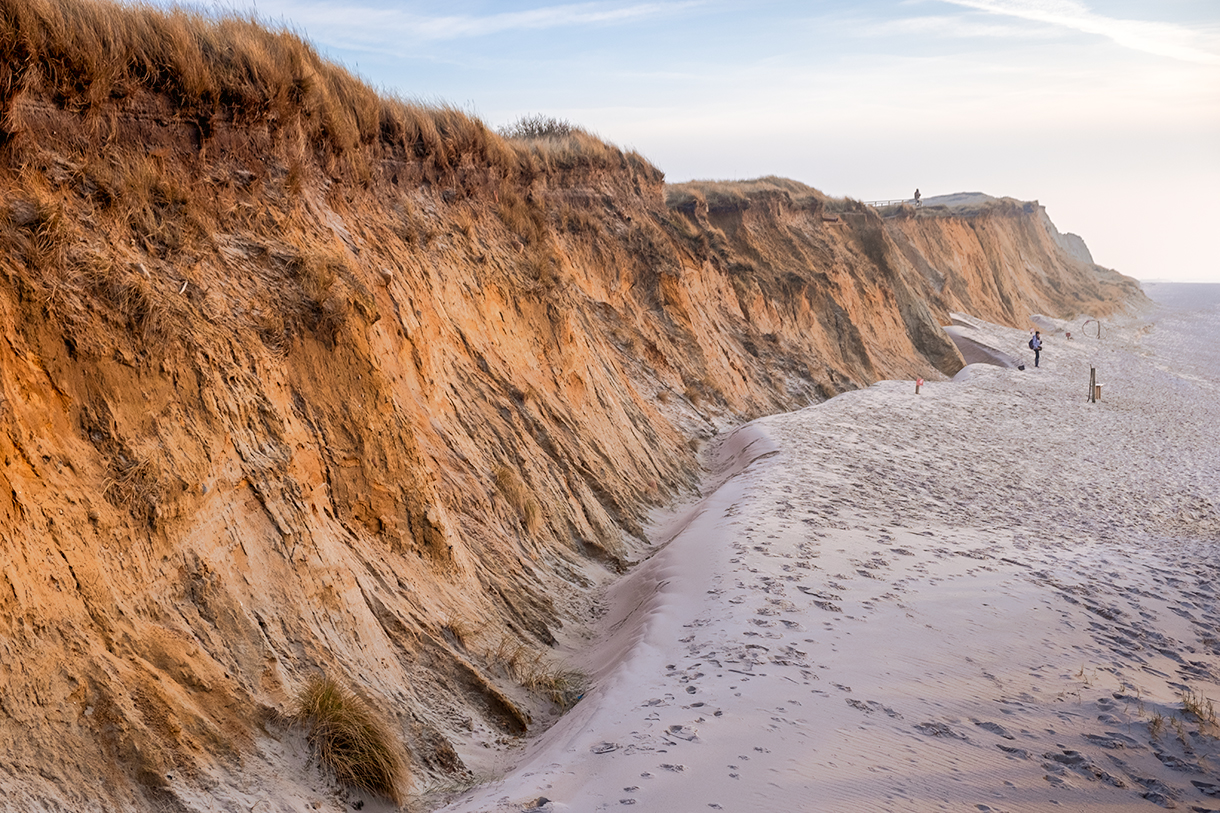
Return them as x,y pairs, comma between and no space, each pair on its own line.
917,197
1035,344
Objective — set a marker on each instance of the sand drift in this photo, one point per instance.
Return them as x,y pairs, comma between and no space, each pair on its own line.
990,596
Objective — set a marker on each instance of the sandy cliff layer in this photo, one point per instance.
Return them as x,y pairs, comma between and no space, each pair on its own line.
315,382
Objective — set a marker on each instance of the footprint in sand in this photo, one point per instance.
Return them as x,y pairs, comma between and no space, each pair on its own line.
868,707
940,730
1016,752
1207,788
1079,763
1113,741
994,728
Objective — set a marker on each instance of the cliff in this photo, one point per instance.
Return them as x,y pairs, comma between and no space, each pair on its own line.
295,379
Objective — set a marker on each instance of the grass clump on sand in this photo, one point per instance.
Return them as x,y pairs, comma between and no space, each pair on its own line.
1201,708
562,686
348,739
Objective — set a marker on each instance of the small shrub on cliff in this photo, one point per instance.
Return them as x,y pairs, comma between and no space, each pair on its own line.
349,740
518,496
325,291
538,126
521,218
463,222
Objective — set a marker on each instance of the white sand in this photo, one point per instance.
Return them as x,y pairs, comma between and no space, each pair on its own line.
983,597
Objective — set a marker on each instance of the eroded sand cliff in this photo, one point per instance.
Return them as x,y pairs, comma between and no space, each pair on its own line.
294,379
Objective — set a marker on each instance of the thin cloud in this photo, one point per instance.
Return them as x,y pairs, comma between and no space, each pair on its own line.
583,14
383,22
1161,39
954,27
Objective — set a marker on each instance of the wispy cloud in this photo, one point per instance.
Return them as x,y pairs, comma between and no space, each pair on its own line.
415,27
943,25
1159,38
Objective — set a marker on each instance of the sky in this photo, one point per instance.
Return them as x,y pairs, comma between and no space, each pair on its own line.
1105,111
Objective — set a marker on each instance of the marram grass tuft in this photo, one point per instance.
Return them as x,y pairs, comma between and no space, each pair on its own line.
348,739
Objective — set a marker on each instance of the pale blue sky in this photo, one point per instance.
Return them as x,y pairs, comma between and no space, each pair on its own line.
1107,111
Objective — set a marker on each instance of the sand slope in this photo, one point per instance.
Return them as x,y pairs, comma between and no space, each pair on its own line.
991,596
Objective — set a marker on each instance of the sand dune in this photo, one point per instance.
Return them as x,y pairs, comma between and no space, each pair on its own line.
991,596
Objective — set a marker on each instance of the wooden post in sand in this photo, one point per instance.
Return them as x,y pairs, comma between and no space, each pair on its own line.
918,384
1092,385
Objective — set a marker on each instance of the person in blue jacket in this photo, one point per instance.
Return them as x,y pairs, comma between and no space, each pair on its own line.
1035,344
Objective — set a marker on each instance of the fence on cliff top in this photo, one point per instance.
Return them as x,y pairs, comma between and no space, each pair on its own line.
877,204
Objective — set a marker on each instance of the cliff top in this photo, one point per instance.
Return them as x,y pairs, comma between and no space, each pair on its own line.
93,57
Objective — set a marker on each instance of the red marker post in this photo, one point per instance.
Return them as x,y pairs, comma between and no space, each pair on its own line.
918,384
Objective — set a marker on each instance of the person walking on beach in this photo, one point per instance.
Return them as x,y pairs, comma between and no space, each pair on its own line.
1035,344
917,197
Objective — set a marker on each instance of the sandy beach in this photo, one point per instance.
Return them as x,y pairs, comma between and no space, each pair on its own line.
990,596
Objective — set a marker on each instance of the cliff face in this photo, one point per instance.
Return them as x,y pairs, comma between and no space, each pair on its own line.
276,400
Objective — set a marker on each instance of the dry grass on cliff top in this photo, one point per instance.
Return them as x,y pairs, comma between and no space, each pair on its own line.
559,144
89,209
87,54
1002,207
736,194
